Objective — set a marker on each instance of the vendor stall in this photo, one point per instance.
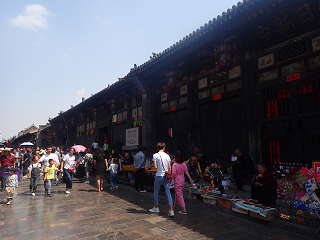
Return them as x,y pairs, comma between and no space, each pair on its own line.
130,175
297,201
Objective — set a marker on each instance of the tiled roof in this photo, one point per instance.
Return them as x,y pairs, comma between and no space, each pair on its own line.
237,13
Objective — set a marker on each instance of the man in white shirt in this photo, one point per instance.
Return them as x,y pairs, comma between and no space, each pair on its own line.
94,146
45,161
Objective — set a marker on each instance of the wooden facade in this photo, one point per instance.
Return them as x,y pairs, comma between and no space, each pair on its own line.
267,103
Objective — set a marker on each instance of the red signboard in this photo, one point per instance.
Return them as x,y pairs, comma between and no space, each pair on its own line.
217,97
173,109
293,77
316,168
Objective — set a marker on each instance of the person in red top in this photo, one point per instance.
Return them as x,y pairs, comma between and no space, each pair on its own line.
264,186
6,161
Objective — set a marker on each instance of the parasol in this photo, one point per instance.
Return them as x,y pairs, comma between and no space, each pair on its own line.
26,144
79,148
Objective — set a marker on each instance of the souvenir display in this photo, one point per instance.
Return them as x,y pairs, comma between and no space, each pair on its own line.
297,202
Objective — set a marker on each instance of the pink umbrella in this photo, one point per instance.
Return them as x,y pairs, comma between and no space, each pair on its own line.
79,148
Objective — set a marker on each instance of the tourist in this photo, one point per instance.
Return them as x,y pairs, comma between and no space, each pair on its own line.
179,168
22,152
11,185
34,174
81,162
26,162
113,168
15,153
162,164
6,161
44,160
49,175
139,166
100,163
88,165
56,163
68,165
94,146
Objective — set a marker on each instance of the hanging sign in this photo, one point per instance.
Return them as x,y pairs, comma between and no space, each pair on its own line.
132,136
293,77
217,97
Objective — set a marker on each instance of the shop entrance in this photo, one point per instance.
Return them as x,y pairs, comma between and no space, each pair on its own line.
221,129
103,136
175,131
291,123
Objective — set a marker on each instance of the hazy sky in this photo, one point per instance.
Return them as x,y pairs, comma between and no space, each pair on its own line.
53,53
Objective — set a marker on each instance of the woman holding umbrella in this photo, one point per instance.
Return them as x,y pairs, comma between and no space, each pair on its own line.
68,165
100,163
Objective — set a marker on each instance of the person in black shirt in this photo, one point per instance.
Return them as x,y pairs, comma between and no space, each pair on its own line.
242,167
26,161
128,159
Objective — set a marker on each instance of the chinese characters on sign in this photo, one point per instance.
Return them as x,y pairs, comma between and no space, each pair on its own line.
287,22
132,136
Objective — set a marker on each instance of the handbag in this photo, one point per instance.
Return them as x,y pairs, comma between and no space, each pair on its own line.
71,169
167,174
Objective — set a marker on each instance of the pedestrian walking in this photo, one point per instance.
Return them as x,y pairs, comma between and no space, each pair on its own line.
15,153
56,163
6,161
100,163
88,163
49,175
139,166
113,168
162,164
11,185
44,160
34,174
68,165
26,162
179,168
94,146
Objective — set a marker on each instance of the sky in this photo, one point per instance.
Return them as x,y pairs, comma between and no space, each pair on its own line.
53,53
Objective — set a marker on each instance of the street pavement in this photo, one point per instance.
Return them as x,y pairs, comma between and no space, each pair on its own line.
123,214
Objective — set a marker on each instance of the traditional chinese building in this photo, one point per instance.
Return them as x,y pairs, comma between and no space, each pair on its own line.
248,79
29,134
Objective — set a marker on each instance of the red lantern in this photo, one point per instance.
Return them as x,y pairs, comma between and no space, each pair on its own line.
171,83
223,55
112,104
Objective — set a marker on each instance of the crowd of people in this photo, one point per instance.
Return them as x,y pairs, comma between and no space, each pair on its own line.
49,163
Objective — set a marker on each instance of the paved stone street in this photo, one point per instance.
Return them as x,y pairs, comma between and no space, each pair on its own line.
86,214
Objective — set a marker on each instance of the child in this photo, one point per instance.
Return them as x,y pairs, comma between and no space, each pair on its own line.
113,173
34,174
179,168
11,185
49,175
